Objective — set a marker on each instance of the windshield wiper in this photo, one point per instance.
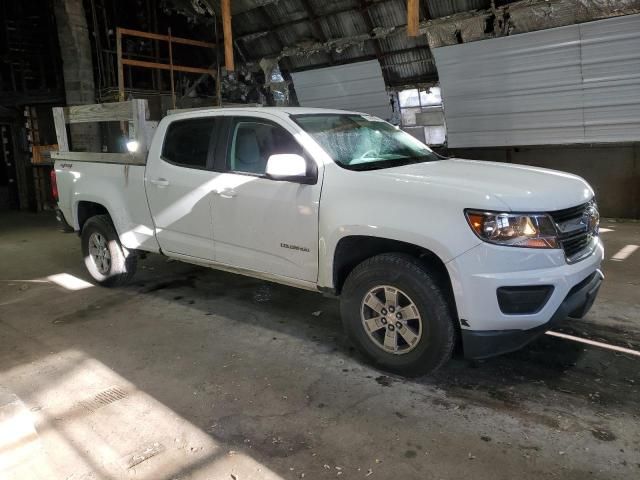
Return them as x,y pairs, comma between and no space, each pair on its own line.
399,162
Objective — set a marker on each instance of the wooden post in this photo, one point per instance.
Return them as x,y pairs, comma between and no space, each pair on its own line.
413,17
60,122
217,54
120,67
173,88
139,118
228,35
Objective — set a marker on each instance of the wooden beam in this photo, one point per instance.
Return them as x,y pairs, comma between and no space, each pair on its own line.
413,17
98,157
171,70
120,67
165,66
140,114
228,35
157,36
99,112
156,65
61,129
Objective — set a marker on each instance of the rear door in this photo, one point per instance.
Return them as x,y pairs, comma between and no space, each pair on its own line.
262,224
179,183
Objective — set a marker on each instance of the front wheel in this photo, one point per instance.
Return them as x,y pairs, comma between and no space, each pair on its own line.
106,260
397,316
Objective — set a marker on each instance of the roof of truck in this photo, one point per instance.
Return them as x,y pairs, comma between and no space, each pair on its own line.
258,109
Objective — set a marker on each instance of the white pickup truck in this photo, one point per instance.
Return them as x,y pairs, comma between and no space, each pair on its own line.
423,252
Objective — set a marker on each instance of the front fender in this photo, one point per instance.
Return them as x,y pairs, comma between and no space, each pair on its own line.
330,241
355,203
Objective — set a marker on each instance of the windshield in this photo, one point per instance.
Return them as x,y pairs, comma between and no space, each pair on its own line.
363,142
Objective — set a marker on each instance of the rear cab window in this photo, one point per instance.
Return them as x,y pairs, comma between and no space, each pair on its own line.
188,143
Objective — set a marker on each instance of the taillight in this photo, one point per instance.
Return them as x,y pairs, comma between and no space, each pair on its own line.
54,185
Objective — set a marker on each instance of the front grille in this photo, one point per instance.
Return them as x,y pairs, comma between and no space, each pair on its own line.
574,231
566,214
574,243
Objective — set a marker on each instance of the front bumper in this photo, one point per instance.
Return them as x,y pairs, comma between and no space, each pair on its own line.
477,275
488,343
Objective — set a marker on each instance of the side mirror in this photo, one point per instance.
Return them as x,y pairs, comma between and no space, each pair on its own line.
291,168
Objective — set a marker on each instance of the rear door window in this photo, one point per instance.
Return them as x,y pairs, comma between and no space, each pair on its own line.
188,143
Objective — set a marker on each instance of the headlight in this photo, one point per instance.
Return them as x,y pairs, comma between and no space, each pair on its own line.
514,229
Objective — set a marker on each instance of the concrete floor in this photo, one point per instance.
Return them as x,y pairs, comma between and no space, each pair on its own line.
196,374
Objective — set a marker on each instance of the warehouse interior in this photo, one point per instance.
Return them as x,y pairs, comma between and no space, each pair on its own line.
194,373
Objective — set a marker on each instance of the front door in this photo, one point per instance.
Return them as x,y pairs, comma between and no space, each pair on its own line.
261,224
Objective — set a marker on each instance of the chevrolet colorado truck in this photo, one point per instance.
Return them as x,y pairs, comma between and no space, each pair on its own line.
423,252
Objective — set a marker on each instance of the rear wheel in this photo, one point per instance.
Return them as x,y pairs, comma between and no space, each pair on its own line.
106,260
397,316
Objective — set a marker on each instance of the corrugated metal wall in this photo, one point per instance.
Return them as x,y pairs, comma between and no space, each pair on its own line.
357,86
568,85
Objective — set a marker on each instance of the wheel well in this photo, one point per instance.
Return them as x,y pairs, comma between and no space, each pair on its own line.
353,250
86,210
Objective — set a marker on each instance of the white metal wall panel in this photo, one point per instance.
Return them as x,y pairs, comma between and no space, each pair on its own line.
611,73
356,86
575,84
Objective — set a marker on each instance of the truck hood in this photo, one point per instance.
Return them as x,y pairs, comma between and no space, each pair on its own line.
517,187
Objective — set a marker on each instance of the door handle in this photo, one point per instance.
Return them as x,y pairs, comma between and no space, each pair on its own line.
160,182
226,193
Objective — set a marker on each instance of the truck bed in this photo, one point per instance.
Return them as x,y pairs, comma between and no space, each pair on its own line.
120,186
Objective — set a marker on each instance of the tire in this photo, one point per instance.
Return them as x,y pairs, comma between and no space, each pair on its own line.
121,265
432,335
